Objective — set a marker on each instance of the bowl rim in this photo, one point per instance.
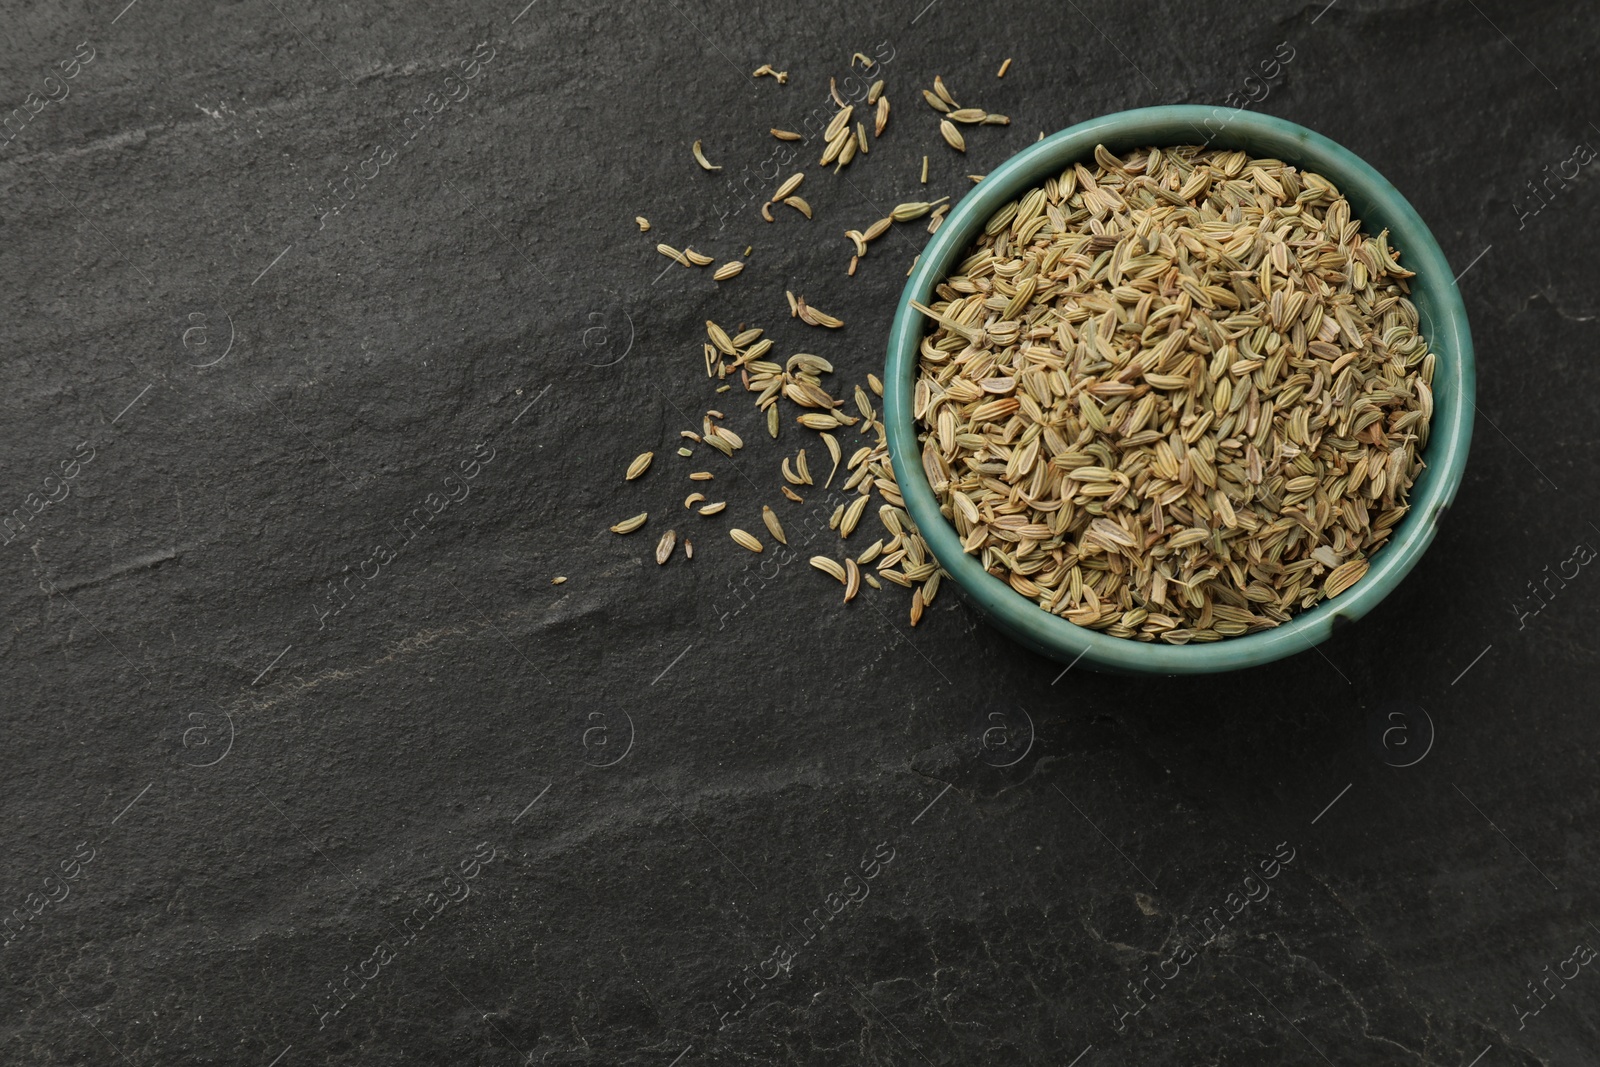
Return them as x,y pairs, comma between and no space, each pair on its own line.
1264,136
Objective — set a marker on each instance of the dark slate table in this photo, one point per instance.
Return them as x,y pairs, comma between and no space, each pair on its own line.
309,762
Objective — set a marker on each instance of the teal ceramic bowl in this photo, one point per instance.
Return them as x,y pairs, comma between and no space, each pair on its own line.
1375,202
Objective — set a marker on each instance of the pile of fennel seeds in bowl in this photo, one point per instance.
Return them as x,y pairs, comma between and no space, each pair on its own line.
1179,396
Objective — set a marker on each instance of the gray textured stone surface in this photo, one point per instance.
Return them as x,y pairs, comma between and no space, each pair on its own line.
243,799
